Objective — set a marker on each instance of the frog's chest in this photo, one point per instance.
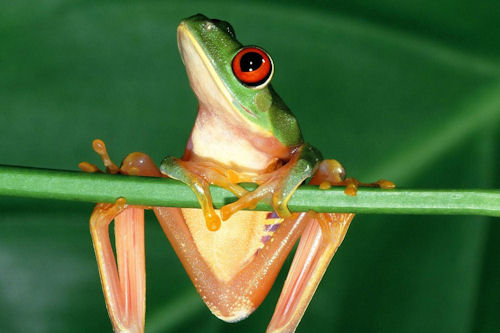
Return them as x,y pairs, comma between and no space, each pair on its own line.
216,139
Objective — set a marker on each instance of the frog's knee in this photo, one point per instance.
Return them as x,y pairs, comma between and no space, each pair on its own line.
335,169
280,206
310,153
169,166
139,164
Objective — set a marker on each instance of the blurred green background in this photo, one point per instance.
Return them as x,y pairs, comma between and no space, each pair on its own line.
408,91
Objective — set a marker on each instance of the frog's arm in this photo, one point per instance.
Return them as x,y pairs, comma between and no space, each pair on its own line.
198,176
275,187
280,184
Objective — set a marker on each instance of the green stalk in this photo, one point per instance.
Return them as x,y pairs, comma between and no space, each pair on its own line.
92,187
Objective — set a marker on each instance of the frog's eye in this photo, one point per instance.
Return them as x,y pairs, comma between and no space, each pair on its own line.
253,67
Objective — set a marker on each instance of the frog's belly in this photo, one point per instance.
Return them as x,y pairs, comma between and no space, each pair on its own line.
228,250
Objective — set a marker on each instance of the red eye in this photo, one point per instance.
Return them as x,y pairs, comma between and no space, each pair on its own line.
252,66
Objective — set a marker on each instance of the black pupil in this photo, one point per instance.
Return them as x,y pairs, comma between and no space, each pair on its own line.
251,61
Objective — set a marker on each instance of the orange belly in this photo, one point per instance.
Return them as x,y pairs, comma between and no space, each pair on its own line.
230,248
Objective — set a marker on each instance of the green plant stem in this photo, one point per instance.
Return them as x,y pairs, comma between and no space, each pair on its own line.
93,187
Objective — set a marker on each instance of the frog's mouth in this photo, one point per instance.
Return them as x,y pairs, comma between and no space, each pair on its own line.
203,78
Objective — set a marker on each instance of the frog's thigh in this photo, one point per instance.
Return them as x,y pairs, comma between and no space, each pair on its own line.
124,286
317,246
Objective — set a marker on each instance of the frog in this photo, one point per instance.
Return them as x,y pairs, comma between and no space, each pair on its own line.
243,132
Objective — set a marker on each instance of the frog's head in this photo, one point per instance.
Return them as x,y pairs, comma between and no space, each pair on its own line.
232,79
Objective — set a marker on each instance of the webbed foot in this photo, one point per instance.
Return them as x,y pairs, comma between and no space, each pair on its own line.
134,164
331,173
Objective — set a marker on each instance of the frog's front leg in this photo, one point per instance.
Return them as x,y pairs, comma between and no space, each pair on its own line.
280,184
198,176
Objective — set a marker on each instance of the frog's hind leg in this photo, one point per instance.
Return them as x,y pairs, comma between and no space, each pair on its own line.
124,279
318,244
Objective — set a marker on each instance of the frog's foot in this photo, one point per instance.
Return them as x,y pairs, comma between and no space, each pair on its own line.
134,164
277,187
198,176
331,173
100,148
352,185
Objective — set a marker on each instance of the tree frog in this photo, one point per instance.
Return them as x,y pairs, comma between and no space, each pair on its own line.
244,132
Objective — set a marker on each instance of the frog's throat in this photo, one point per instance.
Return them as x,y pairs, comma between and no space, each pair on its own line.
205,81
